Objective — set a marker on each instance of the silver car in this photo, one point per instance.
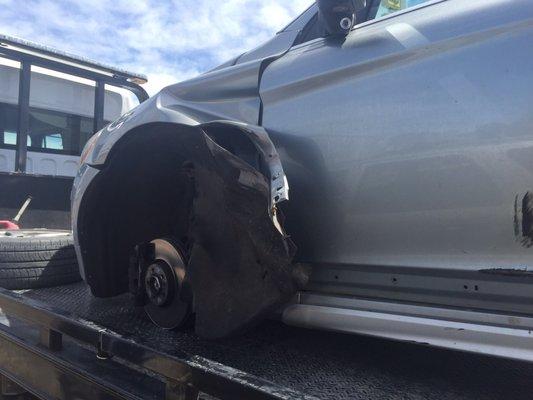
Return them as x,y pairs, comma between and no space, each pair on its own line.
404,130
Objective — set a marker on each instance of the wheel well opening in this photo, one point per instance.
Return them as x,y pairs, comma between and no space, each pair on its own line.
236,142
144,192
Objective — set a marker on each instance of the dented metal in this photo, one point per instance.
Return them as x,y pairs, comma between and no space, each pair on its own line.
523,219
239,261
407,146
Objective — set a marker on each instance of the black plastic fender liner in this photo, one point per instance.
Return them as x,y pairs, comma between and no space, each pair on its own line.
240,265
241,261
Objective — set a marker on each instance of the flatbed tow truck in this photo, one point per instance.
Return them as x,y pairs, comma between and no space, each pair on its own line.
62,343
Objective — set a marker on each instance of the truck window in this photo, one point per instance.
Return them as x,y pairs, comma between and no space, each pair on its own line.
62,107
8,124
58,132
53,142
9,88
61,114
49,130
10,138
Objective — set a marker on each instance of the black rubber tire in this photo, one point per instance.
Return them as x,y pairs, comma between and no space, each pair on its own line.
31,262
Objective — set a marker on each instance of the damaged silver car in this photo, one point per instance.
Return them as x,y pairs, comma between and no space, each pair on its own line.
404,129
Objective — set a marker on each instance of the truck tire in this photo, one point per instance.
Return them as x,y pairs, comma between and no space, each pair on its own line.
37,258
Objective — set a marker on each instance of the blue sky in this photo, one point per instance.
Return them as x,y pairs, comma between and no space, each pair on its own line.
168,40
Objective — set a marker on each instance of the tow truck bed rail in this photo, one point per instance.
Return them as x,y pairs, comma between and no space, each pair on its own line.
182,375
62,343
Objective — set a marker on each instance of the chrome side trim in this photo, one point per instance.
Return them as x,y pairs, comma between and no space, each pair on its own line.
504,342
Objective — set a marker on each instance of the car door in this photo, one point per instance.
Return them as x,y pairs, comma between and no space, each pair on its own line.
408,143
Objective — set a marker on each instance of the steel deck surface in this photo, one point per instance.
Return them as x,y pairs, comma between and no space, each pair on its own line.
322,364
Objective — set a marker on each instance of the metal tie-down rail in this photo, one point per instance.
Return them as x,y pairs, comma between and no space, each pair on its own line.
44,368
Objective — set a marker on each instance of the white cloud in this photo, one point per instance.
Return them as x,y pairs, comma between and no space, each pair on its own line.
168,40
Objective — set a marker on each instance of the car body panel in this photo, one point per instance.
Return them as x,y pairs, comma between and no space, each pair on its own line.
230,93
429,330
83,178
227,94
419,138
408,148
222,102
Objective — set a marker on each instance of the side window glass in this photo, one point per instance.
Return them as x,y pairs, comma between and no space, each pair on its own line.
53,142
58,131
8,124
380,8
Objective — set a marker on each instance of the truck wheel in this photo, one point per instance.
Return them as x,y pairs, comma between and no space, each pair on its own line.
37,258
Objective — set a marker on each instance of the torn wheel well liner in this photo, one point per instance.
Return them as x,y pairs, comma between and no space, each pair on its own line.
213,186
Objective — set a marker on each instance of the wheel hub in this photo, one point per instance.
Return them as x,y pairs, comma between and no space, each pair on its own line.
159,283
164,278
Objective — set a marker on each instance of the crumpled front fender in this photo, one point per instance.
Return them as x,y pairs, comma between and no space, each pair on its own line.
241,262
240,265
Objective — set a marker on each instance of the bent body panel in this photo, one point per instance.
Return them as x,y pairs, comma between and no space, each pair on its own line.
407,144
225,98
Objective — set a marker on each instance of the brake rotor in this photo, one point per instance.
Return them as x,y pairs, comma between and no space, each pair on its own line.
167,305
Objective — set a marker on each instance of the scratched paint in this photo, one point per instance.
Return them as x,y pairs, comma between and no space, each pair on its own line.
523,219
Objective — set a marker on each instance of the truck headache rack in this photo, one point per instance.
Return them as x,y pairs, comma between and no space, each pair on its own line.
119,368
24,49
32,54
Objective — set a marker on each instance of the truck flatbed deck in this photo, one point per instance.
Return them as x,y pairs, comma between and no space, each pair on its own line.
272,361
